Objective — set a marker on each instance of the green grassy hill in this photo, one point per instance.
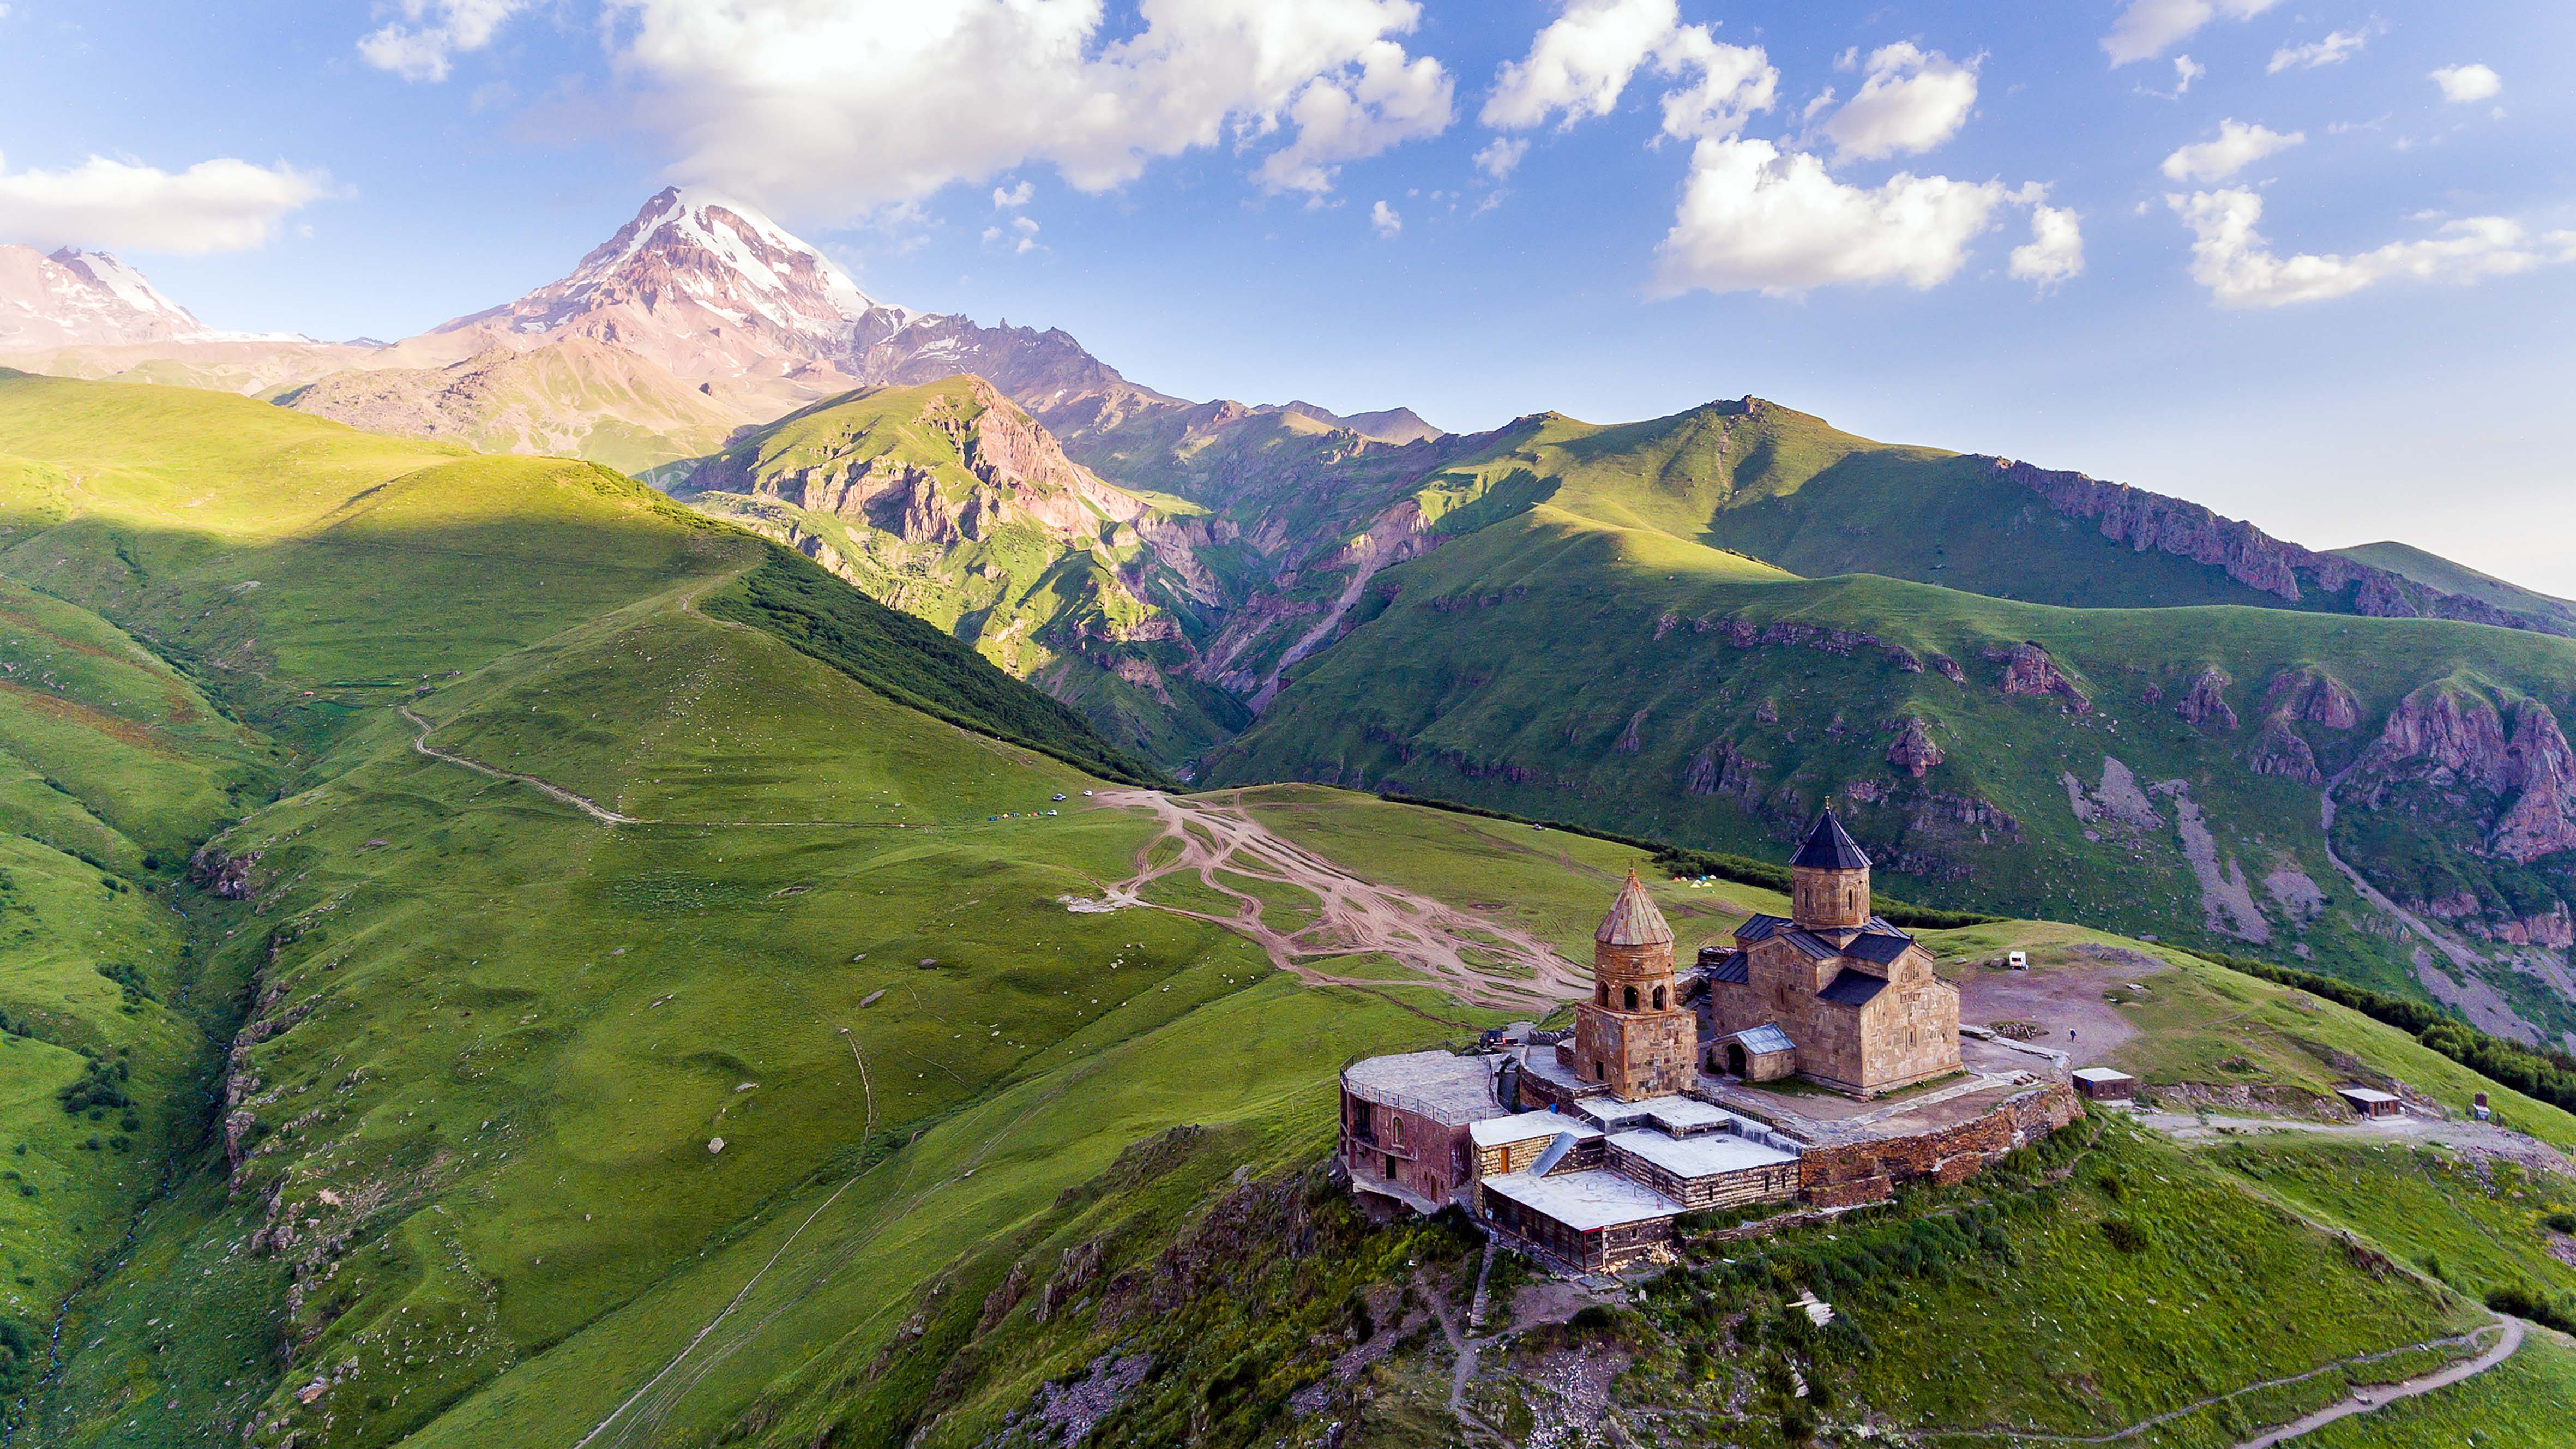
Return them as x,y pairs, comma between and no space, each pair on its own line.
2436,572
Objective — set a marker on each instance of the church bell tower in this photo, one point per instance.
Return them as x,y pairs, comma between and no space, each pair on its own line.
1634,1035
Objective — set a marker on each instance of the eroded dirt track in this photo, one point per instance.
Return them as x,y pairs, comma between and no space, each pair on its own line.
1480,962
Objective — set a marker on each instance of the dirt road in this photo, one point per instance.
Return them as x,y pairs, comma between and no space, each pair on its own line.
2477,1137
1481,962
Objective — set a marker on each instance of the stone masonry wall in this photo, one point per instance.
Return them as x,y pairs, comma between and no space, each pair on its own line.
1870,1171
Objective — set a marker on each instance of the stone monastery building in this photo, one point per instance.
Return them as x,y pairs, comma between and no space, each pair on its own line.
1590,1147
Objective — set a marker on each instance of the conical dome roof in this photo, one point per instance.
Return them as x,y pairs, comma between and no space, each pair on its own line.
1830,847
1633,919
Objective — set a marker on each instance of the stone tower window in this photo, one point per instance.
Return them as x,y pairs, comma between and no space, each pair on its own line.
1632,998
1659,999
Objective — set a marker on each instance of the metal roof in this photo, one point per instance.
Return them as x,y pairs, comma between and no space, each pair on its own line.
1829,847
1878,946
1732,966
1758,927
1766,1038
2101,1074
1812,944
1633,919
1852,988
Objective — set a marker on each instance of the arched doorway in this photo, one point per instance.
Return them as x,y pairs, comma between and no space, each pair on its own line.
1735,1058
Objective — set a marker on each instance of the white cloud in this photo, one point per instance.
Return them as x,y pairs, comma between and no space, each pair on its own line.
2240,269
2055,252
838,107
1385,219
2338,47
1731,83
213,206
1346,118
2149,28
1502,155
1016,196
1580,63
422,46
1754,218
1020,237
2186,70
2465,83
1912,101
2237,147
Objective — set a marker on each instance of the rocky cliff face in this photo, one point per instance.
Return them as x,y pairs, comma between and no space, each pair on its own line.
2151,521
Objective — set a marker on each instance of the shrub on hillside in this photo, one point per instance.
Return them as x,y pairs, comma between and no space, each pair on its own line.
2127,1234
2524,1301
18,1356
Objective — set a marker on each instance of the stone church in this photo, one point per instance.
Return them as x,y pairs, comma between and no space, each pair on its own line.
1833,994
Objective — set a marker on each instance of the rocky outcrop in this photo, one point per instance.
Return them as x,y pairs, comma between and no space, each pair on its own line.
229,877
2279,750
1719,769
2542,819
2029,671
2447,736
1914,752
2440,732
2313,696
2204,706
2151,521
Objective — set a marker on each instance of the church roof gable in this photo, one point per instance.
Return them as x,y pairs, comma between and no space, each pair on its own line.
1761,928
1880,947
1852,988
1633,919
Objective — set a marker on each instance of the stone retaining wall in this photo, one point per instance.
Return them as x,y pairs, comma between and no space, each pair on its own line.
1869,1171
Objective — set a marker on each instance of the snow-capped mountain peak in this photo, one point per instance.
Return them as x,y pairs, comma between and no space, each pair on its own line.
712,280
77,299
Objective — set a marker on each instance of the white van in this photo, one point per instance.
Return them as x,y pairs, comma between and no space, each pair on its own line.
2018,960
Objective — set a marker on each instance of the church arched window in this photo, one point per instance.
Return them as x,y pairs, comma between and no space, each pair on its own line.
1660,999
1631,998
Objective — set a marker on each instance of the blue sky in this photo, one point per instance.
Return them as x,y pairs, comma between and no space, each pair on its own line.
2357,333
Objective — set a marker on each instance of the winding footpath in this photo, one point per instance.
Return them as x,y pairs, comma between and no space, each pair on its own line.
420,745
2380,1398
